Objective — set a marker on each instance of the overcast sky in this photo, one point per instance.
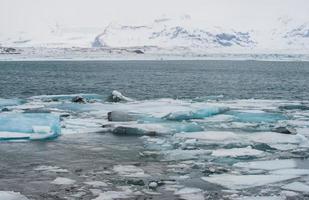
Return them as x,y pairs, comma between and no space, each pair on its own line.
25,15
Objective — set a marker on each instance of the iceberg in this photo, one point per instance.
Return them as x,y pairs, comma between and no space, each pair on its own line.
118,97
257,117
198,114
10,102
31,126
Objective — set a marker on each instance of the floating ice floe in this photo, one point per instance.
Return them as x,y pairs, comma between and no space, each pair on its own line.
190,193
236,182
135,128
10,195
96,183
197,114
130,171
113,195
297,186
29,126
210,136
63,181
268,164
257,117
237,152
51,169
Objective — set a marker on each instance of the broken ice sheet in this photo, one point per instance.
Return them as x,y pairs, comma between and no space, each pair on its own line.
236,182
268,164
297,186
237,152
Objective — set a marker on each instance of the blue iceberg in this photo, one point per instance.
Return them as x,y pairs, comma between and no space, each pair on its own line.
198,114
10,102
258,117
29,126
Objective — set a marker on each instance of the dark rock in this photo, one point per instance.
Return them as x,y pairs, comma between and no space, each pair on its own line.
119,116
138,51
5,110
136,182
294,107
284,130
78,99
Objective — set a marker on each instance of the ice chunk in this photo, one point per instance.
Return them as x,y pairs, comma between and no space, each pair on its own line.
190,193
113,195
297,186
198,114
96,183
291,171
10,195
29,126
153,128
51,169
210,136
236,152
257,117
118,97
120,116
129,171
236,182
63,181
277,138
268,164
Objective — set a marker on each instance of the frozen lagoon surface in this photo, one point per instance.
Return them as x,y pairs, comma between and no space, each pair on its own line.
189,130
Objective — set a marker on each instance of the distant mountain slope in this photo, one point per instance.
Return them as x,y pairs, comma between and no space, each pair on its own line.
285,36
172,33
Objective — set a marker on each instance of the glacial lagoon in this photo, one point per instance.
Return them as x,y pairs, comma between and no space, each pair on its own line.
154,130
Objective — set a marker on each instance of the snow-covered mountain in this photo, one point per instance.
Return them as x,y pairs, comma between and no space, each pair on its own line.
285,36
168,33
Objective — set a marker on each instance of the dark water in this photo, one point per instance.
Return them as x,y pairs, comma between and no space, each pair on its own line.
157,79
